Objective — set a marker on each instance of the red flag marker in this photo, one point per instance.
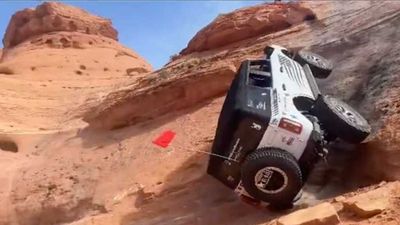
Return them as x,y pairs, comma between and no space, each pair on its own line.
164,139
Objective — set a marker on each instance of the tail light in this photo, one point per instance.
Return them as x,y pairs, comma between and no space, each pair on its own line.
290,125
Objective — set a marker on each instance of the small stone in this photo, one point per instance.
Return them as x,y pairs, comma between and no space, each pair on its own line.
322,214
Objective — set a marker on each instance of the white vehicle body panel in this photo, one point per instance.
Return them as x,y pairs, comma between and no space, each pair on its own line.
288,82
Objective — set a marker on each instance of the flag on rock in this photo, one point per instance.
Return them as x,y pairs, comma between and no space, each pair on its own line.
164,139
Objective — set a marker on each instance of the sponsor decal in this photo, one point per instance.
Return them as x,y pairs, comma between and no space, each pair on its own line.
261,105
287,140
290,141
266,176
236,150
256,126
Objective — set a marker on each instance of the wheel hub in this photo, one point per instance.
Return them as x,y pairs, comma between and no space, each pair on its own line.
316,60
347,113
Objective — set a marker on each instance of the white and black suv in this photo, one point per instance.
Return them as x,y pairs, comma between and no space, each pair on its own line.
275,125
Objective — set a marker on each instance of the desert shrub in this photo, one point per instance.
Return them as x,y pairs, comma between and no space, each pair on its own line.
174,57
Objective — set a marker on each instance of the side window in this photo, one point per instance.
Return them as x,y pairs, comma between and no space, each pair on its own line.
260,79
260,74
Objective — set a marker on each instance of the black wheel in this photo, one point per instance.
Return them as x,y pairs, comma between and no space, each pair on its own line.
341,120
273,176
320,67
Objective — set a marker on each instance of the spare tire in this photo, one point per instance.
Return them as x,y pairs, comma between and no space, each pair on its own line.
320,67
272,175
341,120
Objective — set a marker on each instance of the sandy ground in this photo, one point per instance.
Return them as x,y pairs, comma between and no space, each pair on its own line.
82,164
62,176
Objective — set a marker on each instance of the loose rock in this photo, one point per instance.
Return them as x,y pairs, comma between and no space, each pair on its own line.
368,204
322,214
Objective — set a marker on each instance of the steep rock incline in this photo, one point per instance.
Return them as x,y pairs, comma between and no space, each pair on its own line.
46,70
357,37
53,17
71,176
197,76
246,23
55,57
189,74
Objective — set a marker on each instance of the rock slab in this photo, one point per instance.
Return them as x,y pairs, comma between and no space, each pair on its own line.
54,17
246,23
368,204
322,214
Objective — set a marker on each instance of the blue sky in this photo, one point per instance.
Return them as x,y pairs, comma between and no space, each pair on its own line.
154,29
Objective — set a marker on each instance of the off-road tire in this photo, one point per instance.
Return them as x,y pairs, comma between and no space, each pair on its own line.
258,161
341,120
320,67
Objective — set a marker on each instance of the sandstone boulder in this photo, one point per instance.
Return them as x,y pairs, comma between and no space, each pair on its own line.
322,214
53,17
368,204
68,55
195,86
247,22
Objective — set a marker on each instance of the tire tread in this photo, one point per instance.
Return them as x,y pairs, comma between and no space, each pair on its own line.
317,71
338,126
281,156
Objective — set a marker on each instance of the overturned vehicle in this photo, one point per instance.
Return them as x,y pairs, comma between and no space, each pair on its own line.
275,125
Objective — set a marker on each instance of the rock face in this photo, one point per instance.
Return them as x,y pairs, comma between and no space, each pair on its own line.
362,206
66,53
97,220
363,76
54,17
246,23
116,112
65,172
54,58
368,204
322,214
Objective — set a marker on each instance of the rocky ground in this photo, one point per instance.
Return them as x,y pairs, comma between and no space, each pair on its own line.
68,85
